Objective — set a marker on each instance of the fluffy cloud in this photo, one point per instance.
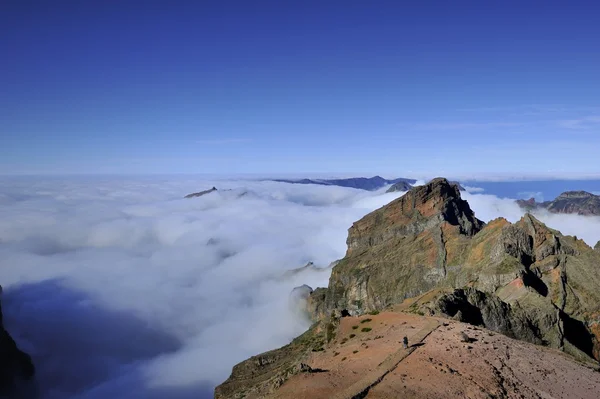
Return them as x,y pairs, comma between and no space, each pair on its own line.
122,288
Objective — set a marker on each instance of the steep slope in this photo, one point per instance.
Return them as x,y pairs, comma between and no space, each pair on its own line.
14,364
445,359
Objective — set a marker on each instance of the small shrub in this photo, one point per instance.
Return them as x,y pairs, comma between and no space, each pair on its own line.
374,312
366,321
344,341
352,335
330,332
354,327
355,352
366,329
344,358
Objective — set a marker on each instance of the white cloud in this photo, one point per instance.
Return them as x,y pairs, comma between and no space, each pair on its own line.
124,289
117,287
474,189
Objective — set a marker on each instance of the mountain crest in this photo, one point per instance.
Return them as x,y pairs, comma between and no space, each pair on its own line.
420,209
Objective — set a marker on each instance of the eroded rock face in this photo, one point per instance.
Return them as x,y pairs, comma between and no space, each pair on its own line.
475,307
14,363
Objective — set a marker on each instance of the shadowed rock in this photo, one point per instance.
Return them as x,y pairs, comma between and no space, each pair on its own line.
14,364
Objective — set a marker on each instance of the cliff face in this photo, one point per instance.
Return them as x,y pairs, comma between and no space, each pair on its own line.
576,202
14,364
428,243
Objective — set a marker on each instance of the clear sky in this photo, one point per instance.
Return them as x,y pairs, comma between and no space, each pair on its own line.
274,87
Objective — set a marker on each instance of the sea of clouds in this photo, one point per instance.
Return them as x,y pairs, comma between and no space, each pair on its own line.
119,287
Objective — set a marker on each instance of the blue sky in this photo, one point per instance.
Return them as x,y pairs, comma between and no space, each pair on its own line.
300,87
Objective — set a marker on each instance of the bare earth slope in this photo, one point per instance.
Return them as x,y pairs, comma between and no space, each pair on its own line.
366,359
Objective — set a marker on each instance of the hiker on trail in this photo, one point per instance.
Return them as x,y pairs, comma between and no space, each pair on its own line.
405,342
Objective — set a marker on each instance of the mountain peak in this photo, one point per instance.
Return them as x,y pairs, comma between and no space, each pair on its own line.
576,194
421,208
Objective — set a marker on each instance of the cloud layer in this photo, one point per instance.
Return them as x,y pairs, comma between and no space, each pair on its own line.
122,288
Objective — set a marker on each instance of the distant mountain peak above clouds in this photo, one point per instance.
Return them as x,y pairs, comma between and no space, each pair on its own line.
363,183
574,202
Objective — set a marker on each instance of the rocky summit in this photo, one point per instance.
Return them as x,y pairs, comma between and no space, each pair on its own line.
576,202
426,254
15,365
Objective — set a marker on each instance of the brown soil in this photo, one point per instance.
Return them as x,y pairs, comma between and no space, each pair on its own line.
374,364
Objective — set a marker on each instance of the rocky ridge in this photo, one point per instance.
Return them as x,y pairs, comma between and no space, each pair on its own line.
576,202
426,253
201,193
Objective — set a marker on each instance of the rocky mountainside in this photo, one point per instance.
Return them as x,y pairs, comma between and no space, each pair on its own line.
578,202
363,183
426,253
14,364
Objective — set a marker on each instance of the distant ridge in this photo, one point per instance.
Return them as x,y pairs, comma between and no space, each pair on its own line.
363,183
577,202
200,193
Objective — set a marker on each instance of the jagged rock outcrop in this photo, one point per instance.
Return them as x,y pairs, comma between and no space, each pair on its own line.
575,202
458,185
597,246
14,363
201,193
